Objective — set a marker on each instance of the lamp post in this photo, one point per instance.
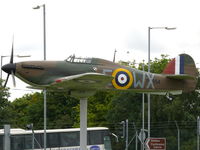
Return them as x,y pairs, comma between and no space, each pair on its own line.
149,47
19,56
114,55
44,26
142,114
45,92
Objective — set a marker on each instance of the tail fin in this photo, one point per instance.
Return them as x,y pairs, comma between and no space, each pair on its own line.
182,65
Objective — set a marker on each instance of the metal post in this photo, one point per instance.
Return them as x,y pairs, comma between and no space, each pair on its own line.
149,57
149,115
126,134
1,65
45,92
123,129
149,98
33,143
44,24
149,29
44,27
142,116
136,140
198,131
44,46
178,135
33,137
114,55
30,127
142,121
6,137
83,124
45,119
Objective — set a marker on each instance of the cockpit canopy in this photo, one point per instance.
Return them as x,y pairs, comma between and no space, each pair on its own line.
74,59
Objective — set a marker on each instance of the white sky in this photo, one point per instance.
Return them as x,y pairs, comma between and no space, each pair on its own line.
95,28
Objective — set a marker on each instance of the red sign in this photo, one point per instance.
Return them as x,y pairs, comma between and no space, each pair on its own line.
156,143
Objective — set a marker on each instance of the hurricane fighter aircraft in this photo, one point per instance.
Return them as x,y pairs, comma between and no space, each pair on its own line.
84,76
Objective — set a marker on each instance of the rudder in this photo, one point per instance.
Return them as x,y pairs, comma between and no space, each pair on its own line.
182,64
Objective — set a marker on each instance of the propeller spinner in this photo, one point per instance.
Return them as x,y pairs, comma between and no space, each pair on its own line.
10,69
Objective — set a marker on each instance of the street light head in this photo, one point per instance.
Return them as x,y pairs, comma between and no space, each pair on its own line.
21,56
167,28
37,7
170,28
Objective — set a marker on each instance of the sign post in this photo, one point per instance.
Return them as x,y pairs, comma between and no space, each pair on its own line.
155,144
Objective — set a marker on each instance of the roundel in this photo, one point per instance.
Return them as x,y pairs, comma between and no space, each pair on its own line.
123,78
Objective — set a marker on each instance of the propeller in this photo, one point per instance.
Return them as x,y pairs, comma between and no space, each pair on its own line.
10,68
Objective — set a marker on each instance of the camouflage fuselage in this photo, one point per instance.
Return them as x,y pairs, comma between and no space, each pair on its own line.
45,73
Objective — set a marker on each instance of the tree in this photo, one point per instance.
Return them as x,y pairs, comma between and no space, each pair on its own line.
4,103
29,109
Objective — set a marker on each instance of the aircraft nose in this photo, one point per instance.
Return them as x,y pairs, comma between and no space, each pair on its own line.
8,68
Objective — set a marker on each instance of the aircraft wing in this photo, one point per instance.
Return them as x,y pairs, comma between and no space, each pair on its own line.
83,82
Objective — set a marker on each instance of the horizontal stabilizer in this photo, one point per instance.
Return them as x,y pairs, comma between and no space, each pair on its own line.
180,76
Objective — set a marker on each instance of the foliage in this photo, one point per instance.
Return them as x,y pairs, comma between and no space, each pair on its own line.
158,65
4,103
29,109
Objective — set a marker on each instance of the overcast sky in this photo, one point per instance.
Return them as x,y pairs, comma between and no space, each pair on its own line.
95,28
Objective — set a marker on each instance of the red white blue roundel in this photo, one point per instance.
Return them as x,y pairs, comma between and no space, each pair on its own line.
123,79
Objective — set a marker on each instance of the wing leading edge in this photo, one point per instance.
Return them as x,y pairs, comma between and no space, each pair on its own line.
82,82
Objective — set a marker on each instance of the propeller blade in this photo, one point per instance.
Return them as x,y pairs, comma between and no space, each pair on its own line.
13,77
6,80
10,68
11,57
